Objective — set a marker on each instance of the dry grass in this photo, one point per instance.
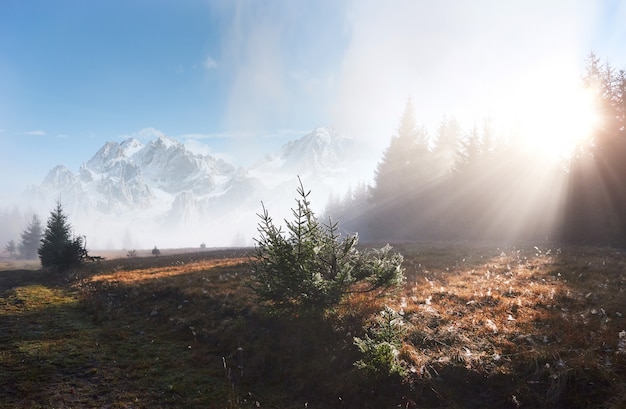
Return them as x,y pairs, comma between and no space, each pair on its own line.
485,328
12,264
152,273
522,328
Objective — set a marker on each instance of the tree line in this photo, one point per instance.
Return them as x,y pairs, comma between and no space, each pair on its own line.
596,208
469,184
474,184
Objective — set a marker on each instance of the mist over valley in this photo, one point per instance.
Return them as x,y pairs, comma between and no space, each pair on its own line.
134,194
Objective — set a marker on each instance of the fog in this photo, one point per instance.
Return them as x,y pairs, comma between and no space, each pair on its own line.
353,66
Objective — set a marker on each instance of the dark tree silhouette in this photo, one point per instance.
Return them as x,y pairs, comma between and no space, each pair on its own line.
405,170
391,173
58,248
595,211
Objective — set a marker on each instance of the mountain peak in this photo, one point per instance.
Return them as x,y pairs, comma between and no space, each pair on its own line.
166,141
106,157
59,175
131,146
322,148
160,186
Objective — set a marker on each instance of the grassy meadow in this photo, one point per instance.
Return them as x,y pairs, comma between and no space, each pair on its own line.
483,327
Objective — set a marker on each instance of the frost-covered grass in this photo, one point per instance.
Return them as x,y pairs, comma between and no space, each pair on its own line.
518,328
482,327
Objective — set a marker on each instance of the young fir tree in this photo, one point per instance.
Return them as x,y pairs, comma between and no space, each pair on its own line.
31,237
58,248
310,268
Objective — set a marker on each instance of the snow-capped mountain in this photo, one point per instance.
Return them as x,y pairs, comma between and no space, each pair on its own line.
324,158
323,150
162,192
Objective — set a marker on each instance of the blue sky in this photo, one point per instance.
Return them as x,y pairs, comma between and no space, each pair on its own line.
231,74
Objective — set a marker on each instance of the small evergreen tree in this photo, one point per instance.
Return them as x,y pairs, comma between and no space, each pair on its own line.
11,248
58,248
381,347
31,237
311,268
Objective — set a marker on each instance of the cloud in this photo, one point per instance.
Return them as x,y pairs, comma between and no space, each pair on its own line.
204,135
258,95
197,147
279,62
145,134
450,57
209,63
38,132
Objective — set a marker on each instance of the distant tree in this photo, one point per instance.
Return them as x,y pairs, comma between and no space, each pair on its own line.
406,172
311,268
156,252
203,245
31,238
58,248
400,169
488,139
131,253
469,151
11,248
350,207
447,141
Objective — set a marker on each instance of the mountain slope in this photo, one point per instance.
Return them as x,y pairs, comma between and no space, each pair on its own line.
161,192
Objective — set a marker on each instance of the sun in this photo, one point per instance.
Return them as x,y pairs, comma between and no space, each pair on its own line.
549,116
557,117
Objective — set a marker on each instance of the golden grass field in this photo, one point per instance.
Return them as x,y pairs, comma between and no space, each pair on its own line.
485,327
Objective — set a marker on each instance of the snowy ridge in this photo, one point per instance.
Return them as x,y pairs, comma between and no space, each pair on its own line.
132,194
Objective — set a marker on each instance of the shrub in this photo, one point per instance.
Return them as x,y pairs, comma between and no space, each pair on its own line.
310,267
381,349
156,252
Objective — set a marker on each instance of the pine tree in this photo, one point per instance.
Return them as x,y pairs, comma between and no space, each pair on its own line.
311,268
30,240
469,152
402,166
448,137
596,205
11,248
58,248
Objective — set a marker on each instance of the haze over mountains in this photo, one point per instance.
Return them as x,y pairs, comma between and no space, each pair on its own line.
160,193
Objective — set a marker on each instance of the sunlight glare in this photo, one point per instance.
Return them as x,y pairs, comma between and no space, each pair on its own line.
545,111
552,116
